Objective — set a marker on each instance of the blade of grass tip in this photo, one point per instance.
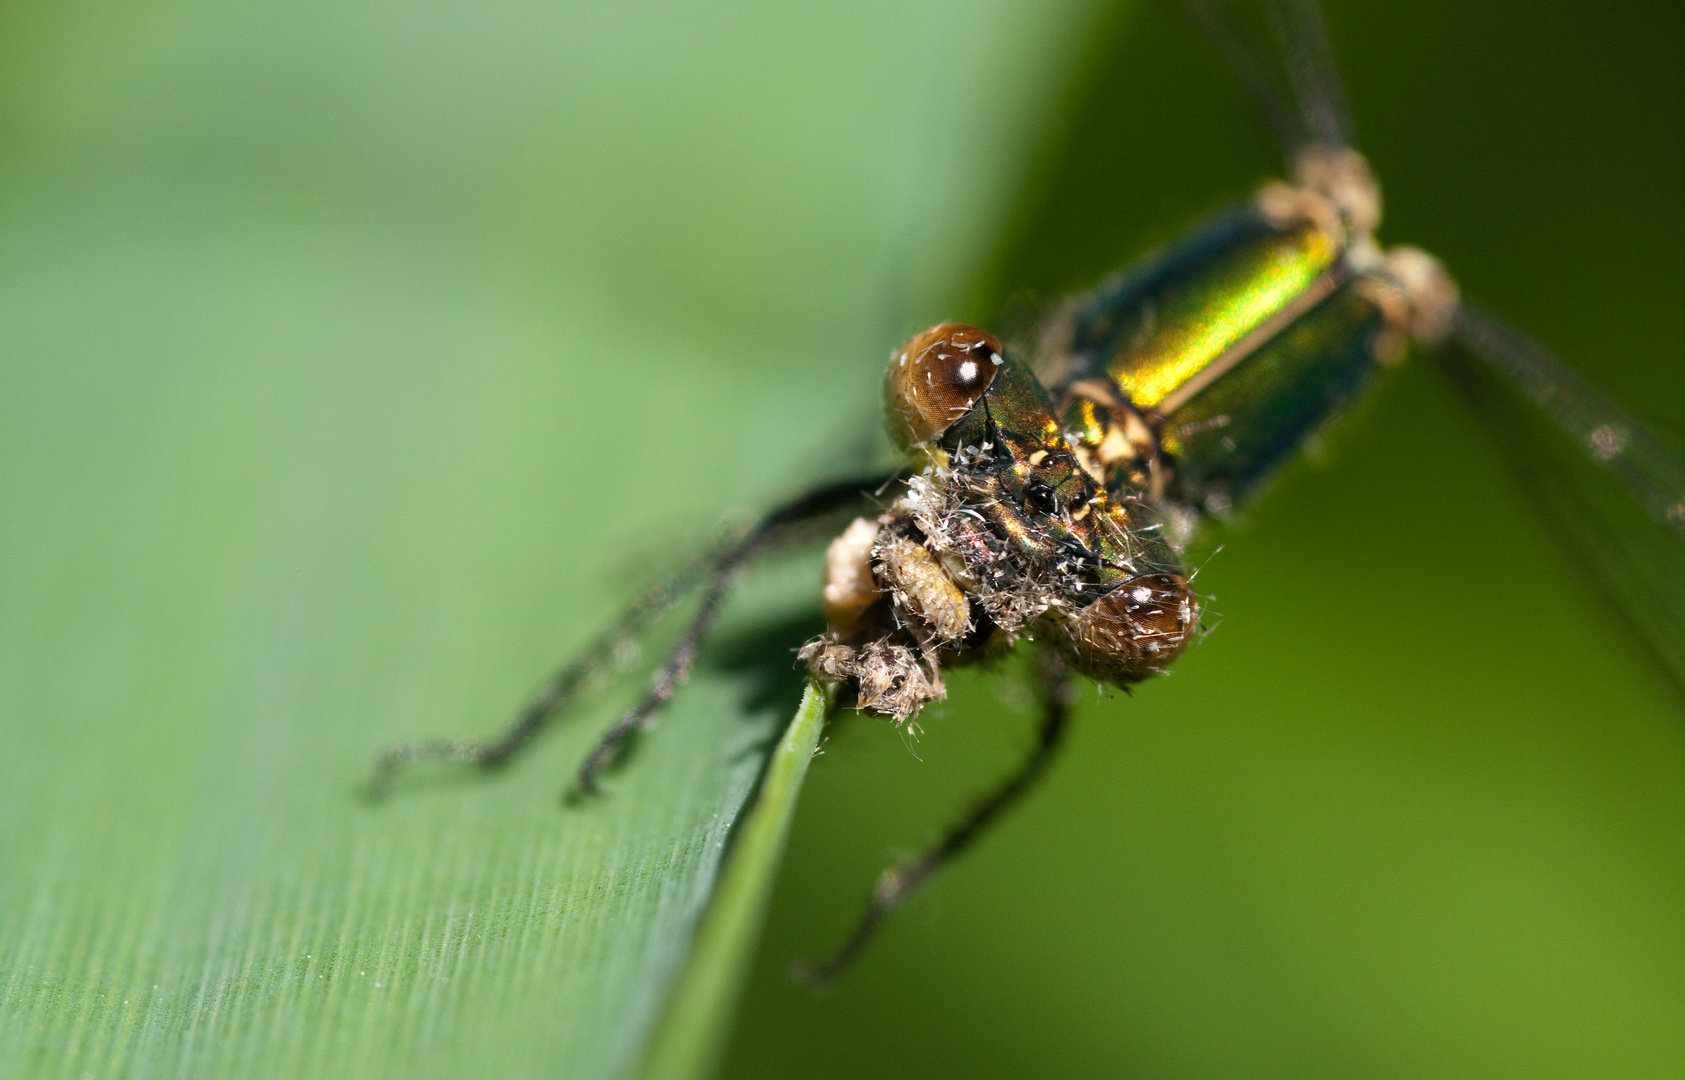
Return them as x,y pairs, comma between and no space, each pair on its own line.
687,1043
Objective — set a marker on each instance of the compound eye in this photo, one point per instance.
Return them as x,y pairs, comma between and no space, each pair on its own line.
936,378
1135,630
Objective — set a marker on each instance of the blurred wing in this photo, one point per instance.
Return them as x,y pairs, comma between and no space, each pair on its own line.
1311,72
1630,533
1297,90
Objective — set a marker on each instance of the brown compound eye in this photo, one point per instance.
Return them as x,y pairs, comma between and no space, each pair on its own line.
936,378
1135,630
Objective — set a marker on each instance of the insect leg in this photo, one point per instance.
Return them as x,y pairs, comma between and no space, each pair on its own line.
777,528
898,882
615,648
578,678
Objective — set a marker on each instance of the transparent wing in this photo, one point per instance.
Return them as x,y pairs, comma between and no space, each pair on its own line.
1298,91
1613,489
1254,77
1311,72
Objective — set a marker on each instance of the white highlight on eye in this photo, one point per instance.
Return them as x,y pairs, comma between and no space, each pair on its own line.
994,358
968,371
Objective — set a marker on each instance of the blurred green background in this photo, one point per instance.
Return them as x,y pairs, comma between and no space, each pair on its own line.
1417,807
357,360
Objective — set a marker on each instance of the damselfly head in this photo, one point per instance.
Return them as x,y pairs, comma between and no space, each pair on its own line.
1003,535
935,379
1134,631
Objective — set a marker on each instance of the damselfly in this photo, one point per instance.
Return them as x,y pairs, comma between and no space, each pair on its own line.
1051,491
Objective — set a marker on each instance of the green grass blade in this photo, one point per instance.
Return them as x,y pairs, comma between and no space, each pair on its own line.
687,1045
357,361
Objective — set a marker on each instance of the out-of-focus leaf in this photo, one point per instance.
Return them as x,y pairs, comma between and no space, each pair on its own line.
357,360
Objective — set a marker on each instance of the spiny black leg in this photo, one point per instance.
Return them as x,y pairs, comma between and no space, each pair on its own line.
617,646
613,649
899,882
775,529
672,675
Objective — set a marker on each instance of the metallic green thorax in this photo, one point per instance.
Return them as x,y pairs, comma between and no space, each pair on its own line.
1201,371
1232,434
1160,328
1048,498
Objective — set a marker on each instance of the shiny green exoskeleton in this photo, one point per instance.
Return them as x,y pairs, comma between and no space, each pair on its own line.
1195,376
1052,505
1050,492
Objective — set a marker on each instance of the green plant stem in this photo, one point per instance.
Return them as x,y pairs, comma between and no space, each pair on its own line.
692,1032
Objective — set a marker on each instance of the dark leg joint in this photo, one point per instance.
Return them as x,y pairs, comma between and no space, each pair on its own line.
899,882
